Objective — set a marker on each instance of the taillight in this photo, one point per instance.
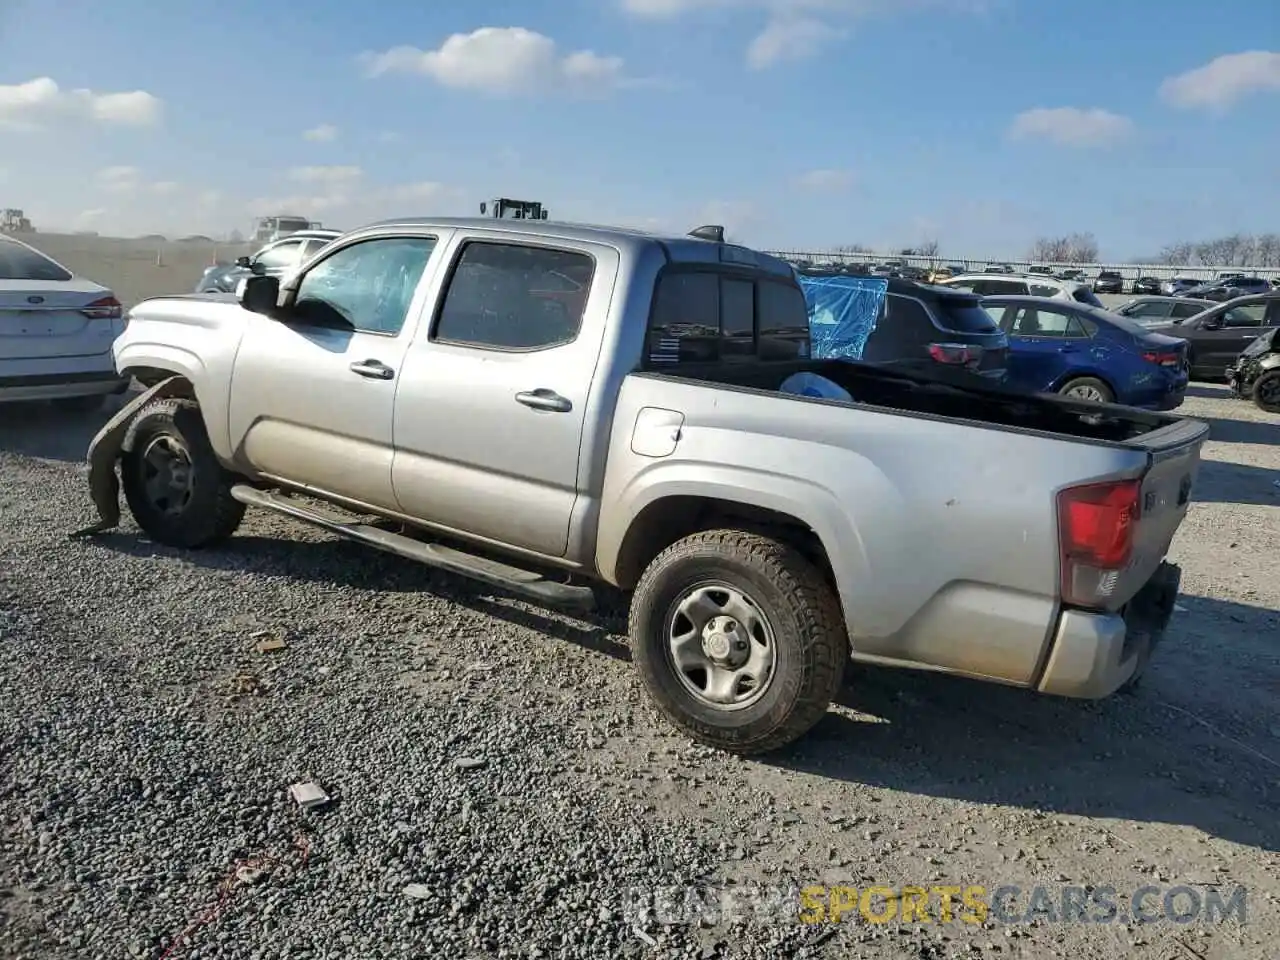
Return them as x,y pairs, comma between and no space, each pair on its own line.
1163,359
959,354
1096,524
108,308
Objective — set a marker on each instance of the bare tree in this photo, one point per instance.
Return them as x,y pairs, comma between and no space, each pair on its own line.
1082,248
928,249
1177,254
1266,250
1050,249
854,248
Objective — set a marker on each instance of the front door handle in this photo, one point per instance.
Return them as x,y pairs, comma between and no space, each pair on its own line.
373,369
544,399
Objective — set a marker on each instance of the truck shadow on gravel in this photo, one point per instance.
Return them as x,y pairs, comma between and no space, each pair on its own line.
1194,744
1220,481
339,562
42,430
1261,432
1146,757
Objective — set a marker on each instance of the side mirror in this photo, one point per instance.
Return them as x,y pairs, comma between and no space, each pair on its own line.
1211,323
245,262
259,294
484,208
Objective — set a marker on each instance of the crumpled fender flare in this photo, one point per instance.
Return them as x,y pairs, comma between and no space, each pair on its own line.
105,450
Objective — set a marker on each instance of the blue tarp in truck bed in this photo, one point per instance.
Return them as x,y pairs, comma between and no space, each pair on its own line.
842,313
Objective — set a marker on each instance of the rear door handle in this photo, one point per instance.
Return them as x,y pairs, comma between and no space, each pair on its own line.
372,369
544,399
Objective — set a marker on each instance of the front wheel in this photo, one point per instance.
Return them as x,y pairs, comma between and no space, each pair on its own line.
738,640
176,489
1266,391
1087,388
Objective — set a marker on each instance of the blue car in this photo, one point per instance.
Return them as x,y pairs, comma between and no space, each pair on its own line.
1080,351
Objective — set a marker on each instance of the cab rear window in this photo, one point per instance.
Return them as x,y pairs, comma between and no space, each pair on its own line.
702,316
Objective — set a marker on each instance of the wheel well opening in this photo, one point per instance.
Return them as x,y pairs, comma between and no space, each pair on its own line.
150,376
665,521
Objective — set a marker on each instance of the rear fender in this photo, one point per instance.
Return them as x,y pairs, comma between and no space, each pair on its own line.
105,450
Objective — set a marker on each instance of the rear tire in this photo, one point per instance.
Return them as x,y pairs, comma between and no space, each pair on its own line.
1266,391
176,489
756,598
1087,388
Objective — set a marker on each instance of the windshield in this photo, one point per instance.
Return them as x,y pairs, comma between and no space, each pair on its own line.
20,262
965,316
1261,345
292,225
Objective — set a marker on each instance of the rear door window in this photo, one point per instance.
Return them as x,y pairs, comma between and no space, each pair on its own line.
1248,315
1038,322
1181,311
20,262
1043,290
1151,310
964,316
280,257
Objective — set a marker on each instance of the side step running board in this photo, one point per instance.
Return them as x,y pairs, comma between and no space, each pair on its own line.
525,583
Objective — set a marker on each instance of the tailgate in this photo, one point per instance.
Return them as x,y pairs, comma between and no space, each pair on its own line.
1173,462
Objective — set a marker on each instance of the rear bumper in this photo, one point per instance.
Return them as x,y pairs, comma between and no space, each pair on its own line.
56,386
1094,654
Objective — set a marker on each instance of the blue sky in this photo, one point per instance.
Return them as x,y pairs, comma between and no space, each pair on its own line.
800,124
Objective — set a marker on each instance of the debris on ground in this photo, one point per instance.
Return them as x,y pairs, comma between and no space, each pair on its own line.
309,796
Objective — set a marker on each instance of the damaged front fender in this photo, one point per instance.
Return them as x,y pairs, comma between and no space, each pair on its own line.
105,449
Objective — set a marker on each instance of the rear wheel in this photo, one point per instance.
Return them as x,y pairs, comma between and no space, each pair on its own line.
1087,388
738,640
176,489
1266,391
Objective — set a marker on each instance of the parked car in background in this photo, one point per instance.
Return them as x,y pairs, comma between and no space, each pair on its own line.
998,268
1256,373
1147,285
274,260
1179,285
1071,273
1032,285
1080,351
1109,281
917,326
1159,311
1230,289
1217,336
56,331
1040,270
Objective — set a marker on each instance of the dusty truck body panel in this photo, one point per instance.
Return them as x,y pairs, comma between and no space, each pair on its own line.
518,397
953,569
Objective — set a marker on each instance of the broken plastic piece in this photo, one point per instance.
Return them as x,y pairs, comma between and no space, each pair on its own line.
309,795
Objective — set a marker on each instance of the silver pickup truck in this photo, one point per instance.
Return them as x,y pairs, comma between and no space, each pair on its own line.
553,409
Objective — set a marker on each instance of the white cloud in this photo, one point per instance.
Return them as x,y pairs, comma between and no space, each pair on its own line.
796,29
333,176
1224,80
342,193
165,188
41,102
324,133
789,38
502,61
1071,126
119,179
826,181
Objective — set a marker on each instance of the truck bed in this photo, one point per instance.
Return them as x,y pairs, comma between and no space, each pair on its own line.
941,394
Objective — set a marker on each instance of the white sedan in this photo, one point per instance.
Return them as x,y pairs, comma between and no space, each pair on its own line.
56,331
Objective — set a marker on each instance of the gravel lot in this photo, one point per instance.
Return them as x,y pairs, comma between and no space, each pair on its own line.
504,760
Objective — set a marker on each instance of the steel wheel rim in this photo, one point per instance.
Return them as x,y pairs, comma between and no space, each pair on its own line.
167,476
721,646
1085,393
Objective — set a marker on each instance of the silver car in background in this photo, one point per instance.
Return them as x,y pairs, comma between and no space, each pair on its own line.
56,331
